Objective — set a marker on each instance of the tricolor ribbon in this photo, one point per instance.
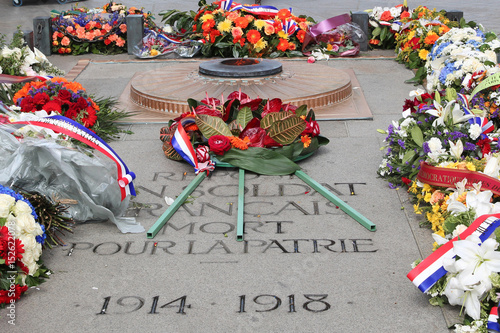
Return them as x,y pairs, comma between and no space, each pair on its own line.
493,325
182,145
486,124
290,26
4,78
79,132
431,269
256,10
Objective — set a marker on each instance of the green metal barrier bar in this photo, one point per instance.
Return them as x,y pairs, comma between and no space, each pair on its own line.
241,204
177,203
330,196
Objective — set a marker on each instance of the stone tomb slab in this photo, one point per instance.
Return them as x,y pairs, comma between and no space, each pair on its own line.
304,265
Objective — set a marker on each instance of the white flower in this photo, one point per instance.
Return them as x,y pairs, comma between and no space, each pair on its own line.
456,149
475,131
21,207
458,230
417,92
26,225
6,204
451,109
436,149
492,167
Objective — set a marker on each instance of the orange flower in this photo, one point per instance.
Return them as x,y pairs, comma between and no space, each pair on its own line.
123,28
283,14
253,36
431,38
241,22
239,143
65,41
292,46
120,42
386,16
301,34
236,32
374,41
232,16
306,140
283,45
207,25
404,14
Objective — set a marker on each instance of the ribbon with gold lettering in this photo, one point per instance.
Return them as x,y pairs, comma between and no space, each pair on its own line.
446,177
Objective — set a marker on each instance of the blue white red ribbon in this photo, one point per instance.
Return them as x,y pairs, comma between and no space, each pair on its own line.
486,124
182,144
79,132
4,78
493,325
290,26
431,269
256,10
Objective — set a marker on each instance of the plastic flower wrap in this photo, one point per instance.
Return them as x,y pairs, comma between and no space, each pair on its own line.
461,56
340,41
21,240
264,136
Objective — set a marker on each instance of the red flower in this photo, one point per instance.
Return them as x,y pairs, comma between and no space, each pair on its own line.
202,154
404,14
484,144
11,250
64,95
241,22
207,25
301,34
53,105
12,294
219,144
283,45
414,43
386,16
90,117
253,36
406,180
27,104
312,129
283,14
40,99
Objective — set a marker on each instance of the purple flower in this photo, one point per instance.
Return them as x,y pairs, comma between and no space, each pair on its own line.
401,143
426,148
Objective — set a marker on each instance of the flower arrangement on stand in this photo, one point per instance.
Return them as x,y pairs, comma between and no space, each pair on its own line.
21,240
263,136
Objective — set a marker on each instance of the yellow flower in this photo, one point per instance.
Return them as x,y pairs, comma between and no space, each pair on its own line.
411,35
427,188
225,26
261,44
282,34
470,166
413,188
206,17
259,24
428,197
416,208
154,52
423,54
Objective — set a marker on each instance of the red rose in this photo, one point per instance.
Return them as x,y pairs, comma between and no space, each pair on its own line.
219,144
64,95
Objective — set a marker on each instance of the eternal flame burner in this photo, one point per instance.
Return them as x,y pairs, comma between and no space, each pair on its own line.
240,67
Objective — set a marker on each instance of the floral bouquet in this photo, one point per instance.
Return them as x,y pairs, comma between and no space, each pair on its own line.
418,34
231,30
21,240
460,57
98,30
263,136
433,129
58,95
337,42
384,24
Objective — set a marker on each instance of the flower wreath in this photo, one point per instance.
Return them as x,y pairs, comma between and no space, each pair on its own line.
263,136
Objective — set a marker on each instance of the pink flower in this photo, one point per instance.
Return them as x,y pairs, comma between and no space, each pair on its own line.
65,41
311,60
120,42
236,32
